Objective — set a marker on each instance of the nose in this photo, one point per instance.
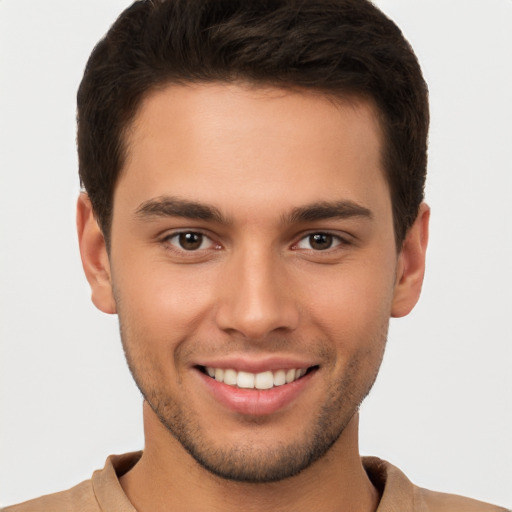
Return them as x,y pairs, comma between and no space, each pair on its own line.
256,298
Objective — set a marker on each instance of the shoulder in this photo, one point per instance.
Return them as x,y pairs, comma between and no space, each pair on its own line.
79,498
399,493
442,502
102,492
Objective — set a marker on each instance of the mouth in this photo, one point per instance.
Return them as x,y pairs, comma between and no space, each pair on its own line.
261,381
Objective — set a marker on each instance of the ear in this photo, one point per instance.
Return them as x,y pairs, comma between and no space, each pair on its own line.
411,265
94,255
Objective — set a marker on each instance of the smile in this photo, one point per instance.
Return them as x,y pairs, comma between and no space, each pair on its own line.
261,381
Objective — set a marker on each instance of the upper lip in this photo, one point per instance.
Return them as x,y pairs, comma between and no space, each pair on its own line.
256,365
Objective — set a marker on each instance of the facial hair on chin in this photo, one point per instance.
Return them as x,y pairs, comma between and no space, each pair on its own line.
244,462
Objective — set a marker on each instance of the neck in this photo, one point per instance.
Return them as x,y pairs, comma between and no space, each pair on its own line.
168,478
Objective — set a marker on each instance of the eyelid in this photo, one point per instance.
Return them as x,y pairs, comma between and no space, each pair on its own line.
166,238
341,240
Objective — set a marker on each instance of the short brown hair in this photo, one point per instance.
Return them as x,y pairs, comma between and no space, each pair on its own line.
340,47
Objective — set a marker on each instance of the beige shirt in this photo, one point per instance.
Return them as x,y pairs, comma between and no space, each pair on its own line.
103,492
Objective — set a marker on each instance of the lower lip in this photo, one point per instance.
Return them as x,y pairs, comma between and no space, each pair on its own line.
256,402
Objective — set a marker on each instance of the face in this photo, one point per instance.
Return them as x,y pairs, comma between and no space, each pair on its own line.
253,267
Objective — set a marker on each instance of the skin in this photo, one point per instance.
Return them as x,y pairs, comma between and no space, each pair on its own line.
257,291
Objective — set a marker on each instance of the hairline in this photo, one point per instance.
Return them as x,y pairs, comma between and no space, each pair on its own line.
347,97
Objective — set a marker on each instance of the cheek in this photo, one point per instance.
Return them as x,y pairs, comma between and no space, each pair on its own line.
160,302
353,314
351,300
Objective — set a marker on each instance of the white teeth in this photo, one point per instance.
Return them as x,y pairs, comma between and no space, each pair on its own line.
230,377
290,376
279,378
263,380
245,380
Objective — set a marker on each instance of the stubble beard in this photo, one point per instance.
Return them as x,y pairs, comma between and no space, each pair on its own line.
245,462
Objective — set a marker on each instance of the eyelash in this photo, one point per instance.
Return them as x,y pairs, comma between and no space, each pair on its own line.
167,240
336,242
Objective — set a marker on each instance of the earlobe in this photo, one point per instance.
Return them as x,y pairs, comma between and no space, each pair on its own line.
93,252
411,265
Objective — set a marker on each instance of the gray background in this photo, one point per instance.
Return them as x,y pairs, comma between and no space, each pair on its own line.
441,407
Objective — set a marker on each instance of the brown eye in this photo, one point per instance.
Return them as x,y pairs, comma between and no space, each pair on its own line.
320,241
183,242
190,241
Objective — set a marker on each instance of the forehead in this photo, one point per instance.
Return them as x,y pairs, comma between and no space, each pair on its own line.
224,141
251,104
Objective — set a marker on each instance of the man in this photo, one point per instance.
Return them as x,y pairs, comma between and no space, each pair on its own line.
253,181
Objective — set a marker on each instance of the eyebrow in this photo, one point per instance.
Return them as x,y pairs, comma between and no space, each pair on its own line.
168,206
324,210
